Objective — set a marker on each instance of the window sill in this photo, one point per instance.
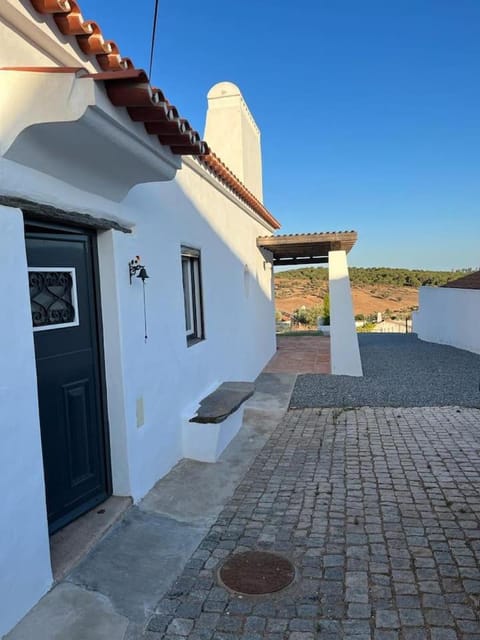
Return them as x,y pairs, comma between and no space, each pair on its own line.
193,341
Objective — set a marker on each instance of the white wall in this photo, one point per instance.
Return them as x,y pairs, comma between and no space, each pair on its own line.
168,376
449,316
165,373
233,134
25,573
238,304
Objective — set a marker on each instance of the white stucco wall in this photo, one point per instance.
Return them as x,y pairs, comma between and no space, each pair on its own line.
233,134
169,377
449,316
25,573
164,374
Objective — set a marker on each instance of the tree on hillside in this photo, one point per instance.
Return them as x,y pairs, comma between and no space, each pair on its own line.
317,276
307,316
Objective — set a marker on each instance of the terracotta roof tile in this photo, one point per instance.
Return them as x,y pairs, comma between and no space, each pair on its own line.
223,173
129,87
126,85
320,235
470,281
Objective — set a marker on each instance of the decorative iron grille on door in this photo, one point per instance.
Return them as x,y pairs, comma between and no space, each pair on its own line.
53,297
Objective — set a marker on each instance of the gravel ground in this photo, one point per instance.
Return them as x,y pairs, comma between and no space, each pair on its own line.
399,371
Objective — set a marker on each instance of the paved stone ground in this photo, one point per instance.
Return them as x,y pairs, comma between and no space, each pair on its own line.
379,510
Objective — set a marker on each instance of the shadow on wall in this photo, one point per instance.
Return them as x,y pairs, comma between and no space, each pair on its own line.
169,376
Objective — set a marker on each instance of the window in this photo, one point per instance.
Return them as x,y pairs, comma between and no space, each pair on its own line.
192,294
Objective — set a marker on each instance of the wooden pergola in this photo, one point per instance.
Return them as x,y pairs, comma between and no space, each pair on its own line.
332,248
306,248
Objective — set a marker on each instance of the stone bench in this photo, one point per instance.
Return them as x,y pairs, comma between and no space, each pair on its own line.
217,420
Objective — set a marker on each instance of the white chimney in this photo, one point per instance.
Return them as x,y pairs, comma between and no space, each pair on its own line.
233,135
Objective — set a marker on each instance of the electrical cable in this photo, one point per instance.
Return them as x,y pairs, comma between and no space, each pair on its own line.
152,45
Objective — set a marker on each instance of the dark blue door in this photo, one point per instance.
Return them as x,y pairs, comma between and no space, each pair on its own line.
66,335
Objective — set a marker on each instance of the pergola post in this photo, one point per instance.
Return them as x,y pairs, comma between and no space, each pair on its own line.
344,349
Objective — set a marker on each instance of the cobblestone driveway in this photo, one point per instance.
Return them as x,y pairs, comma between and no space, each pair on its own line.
378,508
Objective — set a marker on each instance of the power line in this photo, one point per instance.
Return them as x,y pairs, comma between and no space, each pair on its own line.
154,32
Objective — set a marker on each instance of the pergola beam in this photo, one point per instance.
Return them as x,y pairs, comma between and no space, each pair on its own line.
281,262
306,248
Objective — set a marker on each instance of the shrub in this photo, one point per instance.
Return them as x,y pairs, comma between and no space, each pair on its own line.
367,327
326,309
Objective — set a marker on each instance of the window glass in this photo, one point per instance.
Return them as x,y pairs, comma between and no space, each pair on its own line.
192,294
187,295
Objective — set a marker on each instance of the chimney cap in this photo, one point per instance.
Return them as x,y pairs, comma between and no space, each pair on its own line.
223,89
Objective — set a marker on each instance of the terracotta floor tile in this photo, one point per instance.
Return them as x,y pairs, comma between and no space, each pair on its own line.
305,354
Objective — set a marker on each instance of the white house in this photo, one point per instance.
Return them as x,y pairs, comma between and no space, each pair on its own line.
97,171
103,184
450,314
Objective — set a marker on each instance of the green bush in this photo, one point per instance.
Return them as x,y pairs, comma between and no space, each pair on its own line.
326,309
367,327
307,316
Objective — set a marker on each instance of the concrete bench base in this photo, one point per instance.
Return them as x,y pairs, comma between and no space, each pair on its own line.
218,419
205,442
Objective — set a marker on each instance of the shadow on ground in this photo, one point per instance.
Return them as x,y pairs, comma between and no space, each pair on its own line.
399,371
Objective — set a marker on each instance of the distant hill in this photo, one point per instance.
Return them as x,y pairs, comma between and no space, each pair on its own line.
374,289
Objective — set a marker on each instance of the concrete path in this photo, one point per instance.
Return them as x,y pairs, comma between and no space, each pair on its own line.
112,593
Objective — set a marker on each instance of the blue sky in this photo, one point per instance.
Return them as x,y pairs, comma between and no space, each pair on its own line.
369,110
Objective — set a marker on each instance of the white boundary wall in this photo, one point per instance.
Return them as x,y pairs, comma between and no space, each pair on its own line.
449,316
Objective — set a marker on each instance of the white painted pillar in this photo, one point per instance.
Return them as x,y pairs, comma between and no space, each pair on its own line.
344,349
25,572
110,275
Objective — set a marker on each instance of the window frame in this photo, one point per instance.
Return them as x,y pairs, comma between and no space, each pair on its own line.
192,294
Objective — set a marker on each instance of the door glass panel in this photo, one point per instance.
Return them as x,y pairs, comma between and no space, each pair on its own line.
53,297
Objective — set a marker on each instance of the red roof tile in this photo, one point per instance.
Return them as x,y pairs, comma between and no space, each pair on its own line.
129,87
223,173
126,85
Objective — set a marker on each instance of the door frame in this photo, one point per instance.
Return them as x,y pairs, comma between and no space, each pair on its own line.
34,225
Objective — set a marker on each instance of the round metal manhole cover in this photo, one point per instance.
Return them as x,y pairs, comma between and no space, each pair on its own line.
256,572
